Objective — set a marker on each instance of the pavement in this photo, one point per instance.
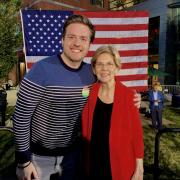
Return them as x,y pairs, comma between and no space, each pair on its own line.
12,96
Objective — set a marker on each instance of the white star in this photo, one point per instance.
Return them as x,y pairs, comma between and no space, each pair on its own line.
45,50
49,37
44,16
29,24
52,25
34,45
32,20
45,33
51,16
55,20
36,24
59,33
33,29
37,42
30,33
52,33
60,50
59,25
38,50
57,46
41,37
40,29
55,29
49,46
48,20
31,50
44,25
42,46
53,50
48,29
40,20
56,37
59,16
45,42
36,15
30,41
37,33
52,42
34,37
28,15
66,16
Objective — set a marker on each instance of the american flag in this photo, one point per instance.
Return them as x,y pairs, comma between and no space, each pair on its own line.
125,30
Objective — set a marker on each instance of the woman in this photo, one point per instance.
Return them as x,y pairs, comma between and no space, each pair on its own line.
111,126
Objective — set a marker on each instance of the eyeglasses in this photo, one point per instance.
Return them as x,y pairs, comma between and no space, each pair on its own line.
73,38
107,65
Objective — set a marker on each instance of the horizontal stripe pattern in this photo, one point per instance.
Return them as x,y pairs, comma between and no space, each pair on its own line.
57,108
128,32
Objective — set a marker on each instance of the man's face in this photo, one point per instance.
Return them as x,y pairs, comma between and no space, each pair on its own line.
155,88
76,43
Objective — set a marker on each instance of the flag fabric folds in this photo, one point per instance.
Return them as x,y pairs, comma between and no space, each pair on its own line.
125,30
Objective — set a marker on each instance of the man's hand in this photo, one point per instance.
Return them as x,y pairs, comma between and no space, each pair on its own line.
137,100
27,173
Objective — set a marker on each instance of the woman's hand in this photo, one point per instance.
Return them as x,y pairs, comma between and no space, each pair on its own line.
138,173
27,173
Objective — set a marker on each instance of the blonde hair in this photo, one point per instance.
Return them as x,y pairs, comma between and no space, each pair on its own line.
107,49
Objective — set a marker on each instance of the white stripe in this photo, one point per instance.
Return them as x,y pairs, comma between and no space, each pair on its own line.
33,59
114,21
123,47
132,71
134,59
135,83
124,59
121,34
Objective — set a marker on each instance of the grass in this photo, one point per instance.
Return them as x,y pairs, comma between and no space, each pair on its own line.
169,150
169,155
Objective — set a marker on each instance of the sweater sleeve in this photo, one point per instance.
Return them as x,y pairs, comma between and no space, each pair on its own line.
29,95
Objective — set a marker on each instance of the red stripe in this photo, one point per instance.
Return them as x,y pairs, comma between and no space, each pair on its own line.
126,53
120,40
125,27
29,65
134,65
133,77
113,14
140,88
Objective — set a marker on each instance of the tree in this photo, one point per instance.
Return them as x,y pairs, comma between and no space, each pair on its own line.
10,35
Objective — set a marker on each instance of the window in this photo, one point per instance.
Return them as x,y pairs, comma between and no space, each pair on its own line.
97,2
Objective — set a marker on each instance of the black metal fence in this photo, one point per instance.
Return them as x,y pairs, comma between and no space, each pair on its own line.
156,173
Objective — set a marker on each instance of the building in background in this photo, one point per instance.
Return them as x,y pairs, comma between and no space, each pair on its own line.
164,38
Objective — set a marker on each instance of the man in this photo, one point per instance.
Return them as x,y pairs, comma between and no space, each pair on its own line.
156,100
48,111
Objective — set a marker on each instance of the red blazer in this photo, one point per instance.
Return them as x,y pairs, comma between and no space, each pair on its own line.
126,134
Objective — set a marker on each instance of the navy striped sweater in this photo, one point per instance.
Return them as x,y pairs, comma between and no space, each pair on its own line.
47,116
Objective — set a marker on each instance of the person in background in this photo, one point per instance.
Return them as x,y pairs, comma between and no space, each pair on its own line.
47,117
156,100
111,125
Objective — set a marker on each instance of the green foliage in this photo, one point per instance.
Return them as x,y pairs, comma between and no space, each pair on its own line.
10,35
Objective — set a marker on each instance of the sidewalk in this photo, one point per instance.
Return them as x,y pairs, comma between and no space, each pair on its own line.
11,97
147,121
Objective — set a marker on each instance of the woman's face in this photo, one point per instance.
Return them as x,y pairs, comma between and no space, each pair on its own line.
105,68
